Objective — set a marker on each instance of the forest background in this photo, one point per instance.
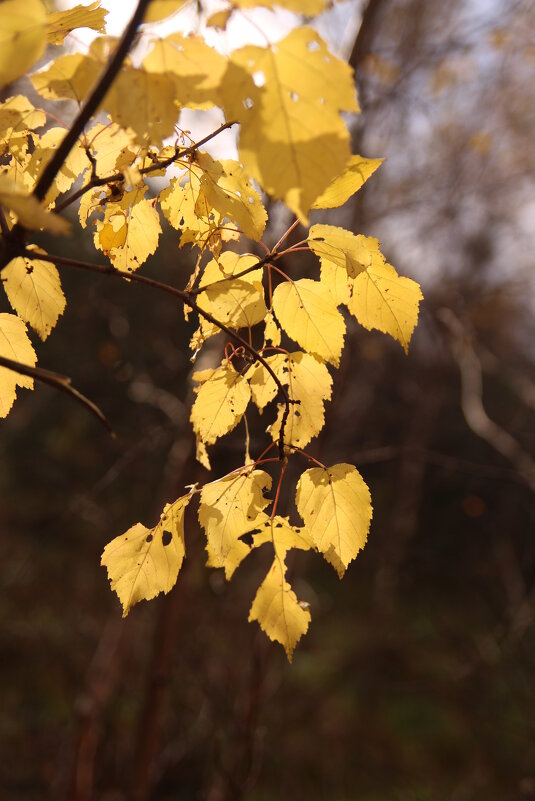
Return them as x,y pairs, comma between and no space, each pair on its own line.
415,681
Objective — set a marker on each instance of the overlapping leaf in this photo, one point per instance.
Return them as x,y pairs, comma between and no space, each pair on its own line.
356,173
309,385
275,607
229,508
307,312
129,232
220,404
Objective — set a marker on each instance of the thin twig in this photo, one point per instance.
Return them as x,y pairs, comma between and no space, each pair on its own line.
116,177
58,381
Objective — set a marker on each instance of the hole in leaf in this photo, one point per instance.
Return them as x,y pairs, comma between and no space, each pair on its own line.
247,102
259,78
294,96
149,537
313,45
166,537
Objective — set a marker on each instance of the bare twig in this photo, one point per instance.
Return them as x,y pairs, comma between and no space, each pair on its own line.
180,153
58,381
472,400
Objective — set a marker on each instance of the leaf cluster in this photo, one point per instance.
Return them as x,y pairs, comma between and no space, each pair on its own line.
288,99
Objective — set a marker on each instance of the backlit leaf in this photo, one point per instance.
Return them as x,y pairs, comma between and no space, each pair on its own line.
22,37
143,561
293,140
14,344
68,77
276,608
309,383
195,69
129,232
229,508
220,403
343,256
307,312
263,387
33,288
384,300
335,505
237,302
160,9
356,173
61,23
29,211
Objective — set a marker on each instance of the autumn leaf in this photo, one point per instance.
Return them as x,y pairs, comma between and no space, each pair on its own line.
307,312
293,140
229,508
33,288
129,232
335,505
309,385
61,23
29,211
220,403
15,345
143,561
384,300
22,37
341,188
276,608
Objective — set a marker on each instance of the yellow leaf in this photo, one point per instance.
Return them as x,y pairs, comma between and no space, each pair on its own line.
276,608
384,300
22,37
219,19
110,145
61,23
29,211
232,195
293,140
220,403
201,454
263,387
129,232
343,256
229,508
160,9
185,208
237,302
272,331
335,505
33,288
75,163
69,77
143,561
17,118
144,102
307,312
15,345
310,384
195,69
356,173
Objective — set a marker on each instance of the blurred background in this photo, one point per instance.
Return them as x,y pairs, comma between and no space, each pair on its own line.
415,681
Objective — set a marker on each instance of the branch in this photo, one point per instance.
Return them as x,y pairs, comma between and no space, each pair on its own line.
92,103
61,382
472,400
185,298
158,165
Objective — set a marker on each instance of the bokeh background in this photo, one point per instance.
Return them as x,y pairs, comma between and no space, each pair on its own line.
416,679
